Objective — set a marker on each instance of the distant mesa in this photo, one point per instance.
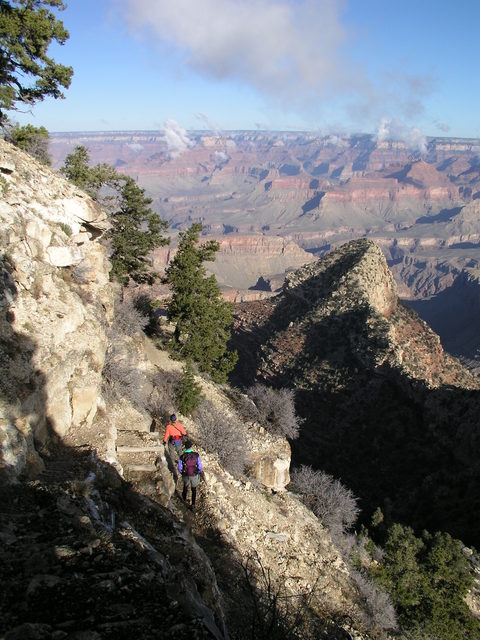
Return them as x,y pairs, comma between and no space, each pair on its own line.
315,191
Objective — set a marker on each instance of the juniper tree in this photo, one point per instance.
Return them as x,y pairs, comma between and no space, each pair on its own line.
27,73
136,230
428,578
76,167
202,318
90,178
32,140
189,392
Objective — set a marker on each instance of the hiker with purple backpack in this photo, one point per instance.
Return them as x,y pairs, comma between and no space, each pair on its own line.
190,468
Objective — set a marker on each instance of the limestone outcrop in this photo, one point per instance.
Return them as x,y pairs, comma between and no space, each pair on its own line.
56,302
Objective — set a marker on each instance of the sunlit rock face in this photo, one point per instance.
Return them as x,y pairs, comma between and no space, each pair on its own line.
270,458
56,302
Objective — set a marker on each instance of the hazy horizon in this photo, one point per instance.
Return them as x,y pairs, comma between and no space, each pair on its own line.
331,66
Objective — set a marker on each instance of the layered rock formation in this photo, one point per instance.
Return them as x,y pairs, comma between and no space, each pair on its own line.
241,262
243,259
56,303
421,207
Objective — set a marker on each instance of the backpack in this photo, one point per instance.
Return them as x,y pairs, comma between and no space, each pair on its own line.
190,464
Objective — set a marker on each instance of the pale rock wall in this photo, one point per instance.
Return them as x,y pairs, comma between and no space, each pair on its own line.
358,273
270,458
55,304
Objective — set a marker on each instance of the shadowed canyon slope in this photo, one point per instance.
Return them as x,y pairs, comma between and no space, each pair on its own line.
385,408
423,210
95,539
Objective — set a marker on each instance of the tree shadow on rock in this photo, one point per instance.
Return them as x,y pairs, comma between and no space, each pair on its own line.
22,388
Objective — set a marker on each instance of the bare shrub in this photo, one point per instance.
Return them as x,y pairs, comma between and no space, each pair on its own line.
377,606
123,378
222,433
128,319
143,303
274,613
274,409
163,399
357,550
334,504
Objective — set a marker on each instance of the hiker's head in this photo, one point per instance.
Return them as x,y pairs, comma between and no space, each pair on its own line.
173,417
187,444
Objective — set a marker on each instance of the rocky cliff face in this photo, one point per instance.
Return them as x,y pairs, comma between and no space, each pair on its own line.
56,302
374,384
85,553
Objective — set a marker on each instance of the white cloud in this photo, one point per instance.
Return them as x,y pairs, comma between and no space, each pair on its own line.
294,53
177,138
398,130
336,141
208,122
221,156
136,147
287,50
442,126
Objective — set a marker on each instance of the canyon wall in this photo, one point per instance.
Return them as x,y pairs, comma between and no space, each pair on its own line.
55,305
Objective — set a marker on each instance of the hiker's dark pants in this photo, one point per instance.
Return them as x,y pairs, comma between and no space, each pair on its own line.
175,451
192,482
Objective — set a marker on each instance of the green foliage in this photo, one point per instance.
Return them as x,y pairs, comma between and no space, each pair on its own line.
136,231
76,167
27,73
189,393
428,578
203,319
32,140
91,179
66,228
377,517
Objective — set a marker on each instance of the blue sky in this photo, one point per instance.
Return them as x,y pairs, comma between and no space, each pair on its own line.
334,66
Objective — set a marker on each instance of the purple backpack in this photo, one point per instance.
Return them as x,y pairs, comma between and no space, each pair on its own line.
190,464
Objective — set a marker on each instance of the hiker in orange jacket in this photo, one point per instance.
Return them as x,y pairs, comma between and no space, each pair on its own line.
174,431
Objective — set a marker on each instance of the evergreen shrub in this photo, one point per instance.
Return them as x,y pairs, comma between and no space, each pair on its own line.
202,318
428,578
189,392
